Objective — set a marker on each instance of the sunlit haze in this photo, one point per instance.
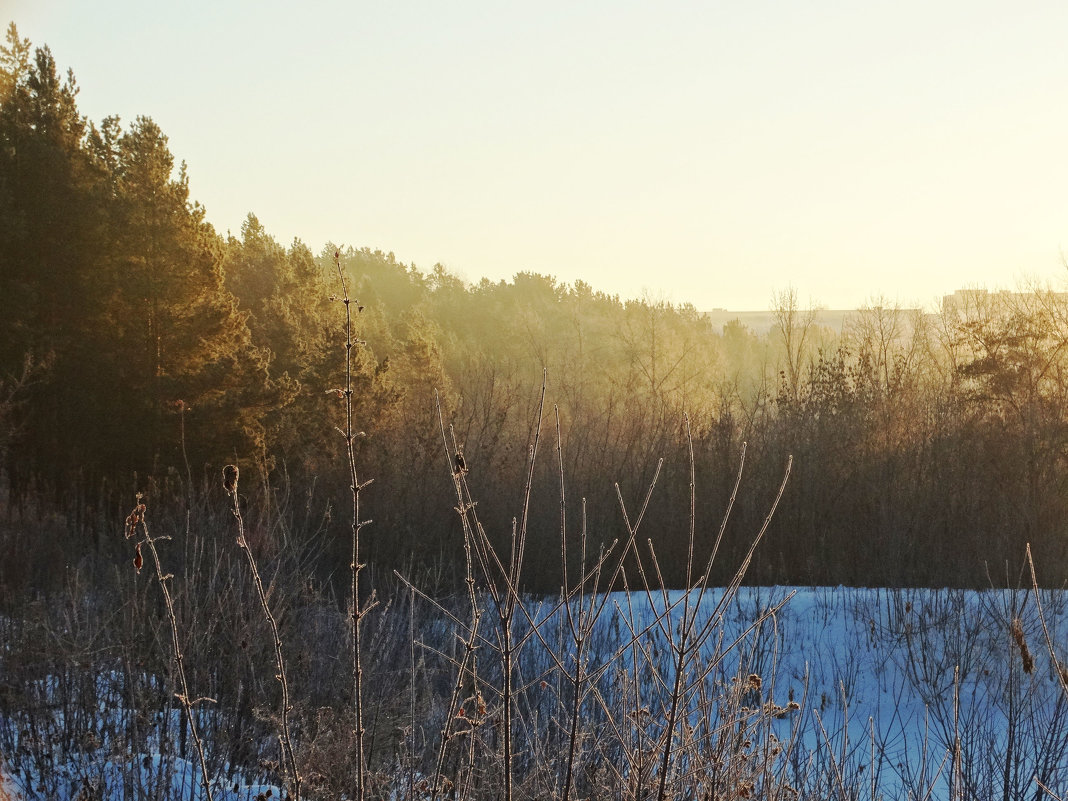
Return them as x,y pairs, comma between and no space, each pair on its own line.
711,153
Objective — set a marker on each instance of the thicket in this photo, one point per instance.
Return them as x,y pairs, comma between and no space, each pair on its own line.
140,350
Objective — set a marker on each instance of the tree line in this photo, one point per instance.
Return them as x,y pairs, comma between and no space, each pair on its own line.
140,348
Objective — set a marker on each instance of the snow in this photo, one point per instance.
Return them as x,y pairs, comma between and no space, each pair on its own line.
8,790
39,767
891,679
889,683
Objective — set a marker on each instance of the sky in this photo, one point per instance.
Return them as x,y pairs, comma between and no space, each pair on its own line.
704,152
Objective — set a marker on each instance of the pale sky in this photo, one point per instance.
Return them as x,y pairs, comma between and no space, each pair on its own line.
710,152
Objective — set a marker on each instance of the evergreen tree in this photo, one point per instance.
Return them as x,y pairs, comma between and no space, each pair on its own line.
51,222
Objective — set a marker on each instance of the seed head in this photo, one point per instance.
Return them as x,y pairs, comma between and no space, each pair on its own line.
1016,629
230,476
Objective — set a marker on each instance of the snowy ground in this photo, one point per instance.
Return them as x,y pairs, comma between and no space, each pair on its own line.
889,683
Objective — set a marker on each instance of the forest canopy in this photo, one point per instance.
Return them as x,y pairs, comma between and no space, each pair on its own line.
140,348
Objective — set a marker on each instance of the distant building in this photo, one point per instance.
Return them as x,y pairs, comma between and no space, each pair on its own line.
964,299
838,320
762,322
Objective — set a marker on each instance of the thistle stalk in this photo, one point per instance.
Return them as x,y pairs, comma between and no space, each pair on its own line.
135,521
357,524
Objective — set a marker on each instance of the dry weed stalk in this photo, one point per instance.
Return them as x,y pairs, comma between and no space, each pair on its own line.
230,483
666,758
358,611
136,522
467,665
1058,666
686,638
502,583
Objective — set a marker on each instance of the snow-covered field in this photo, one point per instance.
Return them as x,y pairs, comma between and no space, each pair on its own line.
902,693
894,680
35,763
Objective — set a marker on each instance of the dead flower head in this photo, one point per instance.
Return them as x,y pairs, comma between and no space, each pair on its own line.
230,477
136,517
